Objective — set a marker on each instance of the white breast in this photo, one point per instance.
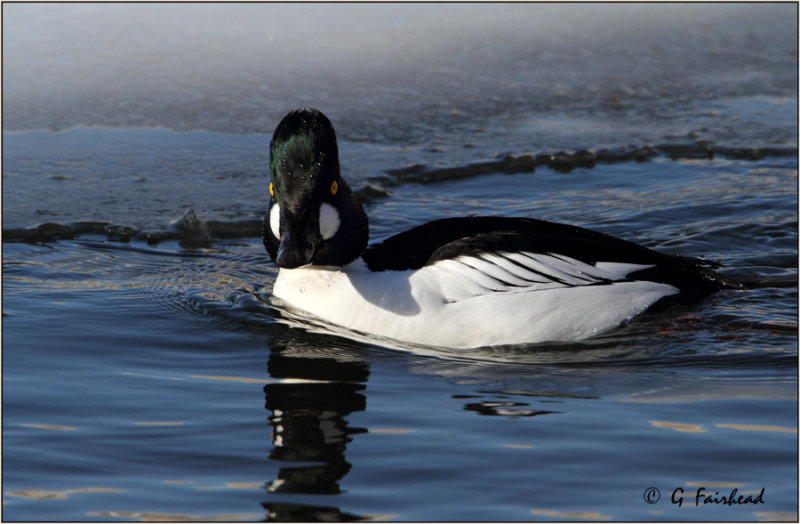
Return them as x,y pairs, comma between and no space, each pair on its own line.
506,298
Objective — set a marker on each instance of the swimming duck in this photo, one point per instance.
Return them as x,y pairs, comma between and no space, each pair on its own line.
456,282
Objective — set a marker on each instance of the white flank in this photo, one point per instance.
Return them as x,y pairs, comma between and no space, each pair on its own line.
471,302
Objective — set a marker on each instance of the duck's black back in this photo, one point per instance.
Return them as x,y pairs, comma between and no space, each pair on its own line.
472,236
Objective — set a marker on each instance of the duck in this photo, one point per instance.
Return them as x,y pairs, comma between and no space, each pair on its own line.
457,282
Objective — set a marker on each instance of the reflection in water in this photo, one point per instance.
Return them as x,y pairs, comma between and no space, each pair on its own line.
505,409
282,512
570,515
309,405
773,516
146,516
53,427
678,426
45,494
751,427
498,403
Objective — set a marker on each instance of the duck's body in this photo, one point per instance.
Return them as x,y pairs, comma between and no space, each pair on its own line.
449,304
459,282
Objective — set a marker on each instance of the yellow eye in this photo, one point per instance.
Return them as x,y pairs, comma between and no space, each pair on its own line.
334,187
271,190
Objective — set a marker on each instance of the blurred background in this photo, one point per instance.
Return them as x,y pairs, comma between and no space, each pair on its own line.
394,72
170,107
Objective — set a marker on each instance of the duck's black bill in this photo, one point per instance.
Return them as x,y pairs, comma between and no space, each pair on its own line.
297,243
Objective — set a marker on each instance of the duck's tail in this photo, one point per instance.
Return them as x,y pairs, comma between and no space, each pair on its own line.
698,278
710,281
758,282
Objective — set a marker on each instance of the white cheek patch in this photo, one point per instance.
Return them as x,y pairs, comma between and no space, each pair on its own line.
329,221
275,220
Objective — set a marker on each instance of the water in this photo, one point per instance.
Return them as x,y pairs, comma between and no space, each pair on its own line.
147,377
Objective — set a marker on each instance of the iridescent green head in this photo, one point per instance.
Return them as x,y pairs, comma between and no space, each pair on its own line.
314,218
303,156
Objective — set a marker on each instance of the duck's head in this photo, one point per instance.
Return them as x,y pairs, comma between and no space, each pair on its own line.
313,215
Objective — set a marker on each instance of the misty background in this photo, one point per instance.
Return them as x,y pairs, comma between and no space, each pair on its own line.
136,113
398,72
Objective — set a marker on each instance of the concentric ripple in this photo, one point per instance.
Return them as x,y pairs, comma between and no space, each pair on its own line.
219,284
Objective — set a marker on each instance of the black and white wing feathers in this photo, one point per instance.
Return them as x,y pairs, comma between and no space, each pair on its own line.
526,253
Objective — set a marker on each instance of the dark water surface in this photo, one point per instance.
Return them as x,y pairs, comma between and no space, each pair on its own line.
154,381
147,377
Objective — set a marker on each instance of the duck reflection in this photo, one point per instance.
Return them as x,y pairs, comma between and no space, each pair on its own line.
317,387
280,512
